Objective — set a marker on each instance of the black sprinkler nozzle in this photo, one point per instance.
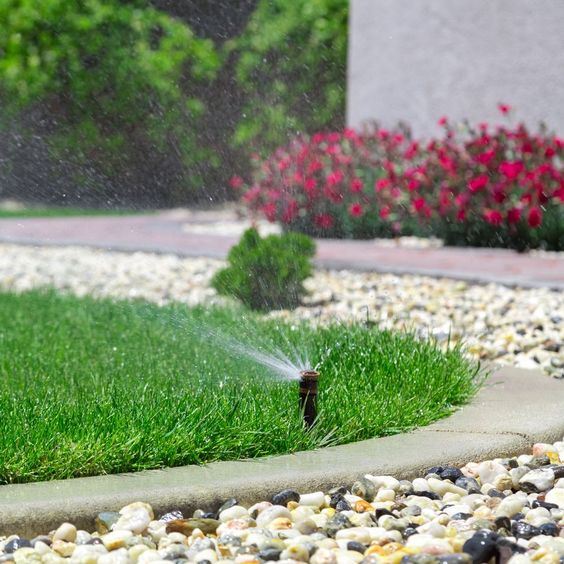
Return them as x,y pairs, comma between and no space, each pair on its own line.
308,396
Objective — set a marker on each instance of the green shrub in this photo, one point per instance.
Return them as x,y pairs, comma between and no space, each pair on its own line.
292,69
118,79
267,273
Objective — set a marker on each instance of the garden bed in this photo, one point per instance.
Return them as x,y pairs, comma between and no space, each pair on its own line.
99,386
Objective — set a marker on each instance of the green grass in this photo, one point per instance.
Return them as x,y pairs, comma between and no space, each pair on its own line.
91,387
61,212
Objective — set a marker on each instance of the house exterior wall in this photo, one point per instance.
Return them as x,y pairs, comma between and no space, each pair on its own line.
417,60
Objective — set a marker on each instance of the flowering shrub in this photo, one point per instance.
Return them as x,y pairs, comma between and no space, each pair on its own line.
497,186
332,185
483,186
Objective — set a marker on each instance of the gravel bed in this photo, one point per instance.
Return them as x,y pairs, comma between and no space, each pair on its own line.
502,510
517,326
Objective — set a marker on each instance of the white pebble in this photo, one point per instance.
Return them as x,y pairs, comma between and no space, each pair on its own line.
271,513
443,486
119,556
66,532
556,495
315,499
135,517
542,479
235,512
489,470
116,539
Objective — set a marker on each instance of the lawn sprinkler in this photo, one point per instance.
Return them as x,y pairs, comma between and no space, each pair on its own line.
308,395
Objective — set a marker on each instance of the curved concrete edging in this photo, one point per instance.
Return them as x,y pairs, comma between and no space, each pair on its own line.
515,409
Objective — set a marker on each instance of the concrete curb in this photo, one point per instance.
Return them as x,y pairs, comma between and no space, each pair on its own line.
515,409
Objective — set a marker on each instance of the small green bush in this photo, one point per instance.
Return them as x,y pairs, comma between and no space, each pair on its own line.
267,273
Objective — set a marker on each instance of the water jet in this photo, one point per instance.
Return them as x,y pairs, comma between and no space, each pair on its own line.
308,396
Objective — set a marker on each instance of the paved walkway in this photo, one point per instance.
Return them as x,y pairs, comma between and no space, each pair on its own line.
167,233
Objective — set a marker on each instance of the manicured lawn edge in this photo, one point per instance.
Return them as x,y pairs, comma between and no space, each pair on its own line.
515,409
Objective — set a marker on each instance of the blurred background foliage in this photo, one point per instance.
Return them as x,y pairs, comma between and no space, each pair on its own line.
156,103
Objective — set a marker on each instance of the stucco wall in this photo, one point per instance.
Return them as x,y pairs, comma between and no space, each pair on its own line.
416,60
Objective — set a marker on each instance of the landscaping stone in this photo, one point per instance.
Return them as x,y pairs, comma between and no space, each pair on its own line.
512,326
455,526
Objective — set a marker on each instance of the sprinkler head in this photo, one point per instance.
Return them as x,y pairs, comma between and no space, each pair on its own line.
308,395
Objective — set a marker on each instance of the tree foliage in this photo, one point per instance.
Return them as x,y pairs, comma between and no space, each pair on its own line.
125,90
117,76
292,68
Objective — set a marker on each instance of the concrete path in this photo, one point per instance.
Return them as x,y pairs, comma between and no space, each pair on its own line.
515,409
166,233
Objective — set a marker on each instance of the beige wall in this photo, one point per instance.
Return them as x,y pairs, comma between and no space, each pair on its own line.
416,60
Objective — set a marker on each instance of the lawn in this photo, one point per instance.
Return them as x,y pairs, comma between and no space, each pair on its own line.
60,212
92,387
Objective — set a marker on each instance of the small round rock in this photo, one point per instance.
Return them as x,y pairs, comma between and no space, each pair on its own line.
285,496
65,532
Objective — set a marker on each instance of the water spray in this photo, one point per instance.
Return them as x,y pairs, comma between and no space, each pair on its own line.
308,395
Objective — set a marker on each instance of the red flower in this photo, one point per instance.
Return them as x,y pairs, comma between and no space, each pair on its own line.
236,182
334,178
486,157
447,164
461,199
324,221
478,183
499,194
284,164
385,212
443,121
356,185
269,211
411,151
513,215
493,217
549,152
504,108
298,178
382,184
310,184
419,204
314,166
535,217
290,212
252,194
356,210
461,215
511,169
